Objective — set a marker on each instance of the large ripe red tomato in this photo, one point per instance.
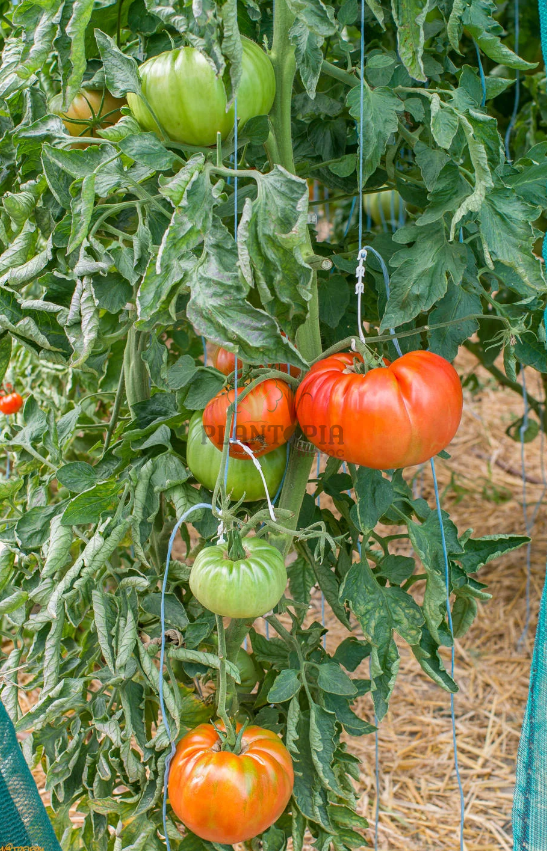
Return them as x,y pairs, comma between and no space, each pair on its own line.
266,418
225,797
11,403
225,362
390,417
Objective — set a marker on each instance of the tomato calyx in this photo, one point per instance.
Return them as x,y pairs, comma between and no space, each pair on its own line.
226,741
236,550
365,358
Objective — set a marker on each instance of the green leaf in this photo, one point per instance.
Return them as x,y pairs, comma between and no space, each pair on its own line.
455,305
351,652
478,20
270,237
422,272
322,739
380,106
380,610
409,16
444,123
219,319
175,613
332,678
286,685
105,612
427,654
334,298
352,724
112,292
77,476
480,551
146,148
5,354
32,529
397,569
374,496
120,70
505,226
75,32
204,386
207,659
91,504
464,612
308,54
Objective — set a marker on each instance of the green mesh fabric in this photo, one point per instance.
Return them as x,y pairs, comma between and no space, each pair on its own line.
23,818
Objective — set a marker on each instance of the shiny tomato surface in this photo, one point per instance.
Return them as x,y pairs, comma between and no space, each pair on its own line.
189,100
390,417
225,797
266,418
11,403
243,481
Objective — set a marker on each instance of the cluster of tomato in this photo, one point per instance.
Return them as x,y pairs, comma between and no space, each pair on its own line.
392,416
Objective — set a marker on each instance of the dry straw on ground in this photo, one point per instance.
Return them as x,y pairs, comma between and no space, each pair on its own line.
419,801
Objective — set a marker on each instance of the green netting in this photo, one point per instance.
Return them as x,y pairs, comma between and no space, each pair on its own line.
23,818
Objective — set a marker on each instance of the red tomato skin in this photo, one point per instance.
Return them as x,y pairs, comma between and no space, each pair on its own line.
266,418
225,797
225,362
388,418
11,403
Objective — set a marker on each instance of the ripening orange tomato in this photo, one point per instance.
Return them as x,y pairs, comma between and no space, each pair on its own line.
225,362
227,797
266,418
89,109
389,417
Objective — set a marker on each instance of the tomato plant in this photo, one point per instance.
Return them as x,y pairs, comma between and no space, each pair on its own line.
394,416
243,481
169,227
245,580
266,418
230,797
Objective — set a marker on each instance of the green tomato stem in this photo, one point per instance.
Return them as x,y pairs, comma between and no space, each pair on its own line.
236,551
221,690
137,382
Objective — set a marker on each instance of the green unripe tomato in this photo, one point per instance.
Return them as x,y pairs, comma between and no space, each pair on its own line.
203,459
189,100
243,588
248,669
386,204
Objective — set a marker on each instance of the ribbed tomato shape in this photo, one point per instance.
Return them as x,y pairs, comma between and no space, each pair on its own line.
225,362
11,403
390,417
190,101
226,797
239,588
266,418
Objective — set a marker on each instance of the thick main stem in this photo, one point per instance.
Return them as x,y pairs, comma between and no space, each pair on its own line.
308,338
137,381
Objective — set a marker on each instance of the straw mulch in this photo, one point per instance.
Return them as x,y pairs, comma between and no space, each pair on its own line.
419,799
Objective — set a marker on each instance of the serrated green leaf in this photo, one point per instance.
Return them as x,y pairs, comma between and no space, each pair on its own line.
381,107
374,496
409,16
89,505
286,685
331,678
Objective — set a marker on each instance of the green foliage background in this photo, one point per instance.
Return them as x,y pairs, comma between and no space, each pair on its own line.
124,253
